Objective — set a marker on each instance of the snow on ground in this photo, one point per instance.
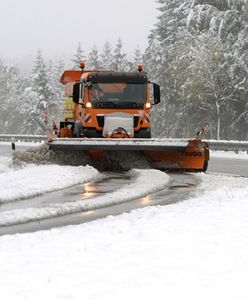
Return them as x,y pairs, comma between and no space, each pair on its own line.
22,144
195,249
34,180
144,182
4,164
229,154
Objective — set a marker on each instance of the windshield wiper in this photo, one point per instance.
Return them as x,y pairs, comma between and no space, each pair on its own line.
118,104
105,104
133,104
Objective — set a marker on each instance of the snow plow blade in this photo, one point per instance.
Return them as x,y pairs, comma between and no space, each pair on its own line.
163,154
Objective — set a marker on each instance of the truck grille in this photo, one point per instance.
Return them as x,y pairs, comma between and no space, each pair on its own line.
100,121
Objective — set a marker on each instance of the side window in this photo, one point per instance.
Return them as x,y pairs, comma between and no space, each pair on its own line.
76,93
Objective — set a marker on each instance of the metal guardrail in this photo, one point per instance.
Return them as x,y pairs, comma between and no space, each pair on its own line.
22,137
228,145
213,144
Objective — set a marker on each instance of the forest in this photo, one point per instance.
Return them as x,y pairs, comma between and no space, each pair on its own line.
197,51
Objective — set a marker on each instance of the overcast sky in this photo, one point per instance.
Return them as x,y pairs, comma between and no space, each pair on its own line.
57,26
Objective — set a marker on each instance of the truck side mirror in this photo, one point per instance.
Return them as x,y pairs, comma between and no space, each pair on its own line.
156,93
76,92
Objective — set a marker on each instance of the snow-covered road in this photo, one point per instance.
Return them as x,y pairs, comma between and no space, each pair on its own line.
195,249
144,182
228,163
68,205
31,180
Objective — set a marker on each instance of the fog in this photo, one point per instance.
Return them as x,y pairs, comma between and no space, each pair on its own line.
57,26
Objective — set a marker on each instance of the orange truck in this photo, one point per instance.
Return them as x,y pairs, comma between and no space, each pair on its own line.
108,104
110,111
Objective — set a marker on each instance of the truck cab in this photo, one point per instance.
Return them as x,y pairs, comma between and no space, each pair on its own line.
109,104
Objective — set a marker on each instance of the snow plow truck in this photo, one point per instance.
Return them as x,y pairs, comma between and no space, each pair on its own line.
110,111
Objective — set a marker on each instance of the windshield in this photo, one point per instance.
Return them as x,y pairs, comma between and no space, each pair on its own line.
118,94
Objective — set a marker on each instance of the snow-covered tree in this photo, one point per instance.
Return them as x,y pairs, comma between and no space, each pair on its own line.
55,106
172,20
119,58
41,84
153,61
31,108
202,69
206,85
11,87
3,95
137,59
44,84
29,112
78,56
93,59
107,57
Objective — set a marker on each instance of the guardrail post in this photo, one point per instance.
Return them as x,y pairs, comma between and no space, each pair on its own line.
13,147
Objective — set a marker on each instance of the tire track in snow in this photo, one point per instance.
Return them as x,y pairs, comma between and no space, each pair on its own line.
34,180
145,182
106,183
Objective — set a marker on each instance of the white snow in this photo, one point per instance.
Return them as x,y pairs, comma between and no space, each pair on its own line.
144,182
229,154
196,249
22,144
122,142
190,17
4,164
34,180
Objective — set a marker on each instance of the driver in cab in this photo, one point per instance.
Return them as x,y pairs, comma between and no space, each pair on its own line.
96,93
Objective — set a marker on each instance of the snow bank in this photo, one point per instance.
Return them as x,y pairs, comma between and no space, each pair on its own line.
145,182
113,161
196,249
34,180
4,164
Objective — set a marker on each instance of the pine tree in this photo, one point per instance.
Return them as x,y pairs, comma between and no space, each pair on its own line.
11,86
223,22
78,56
59,68
107,57
239,74
93,59
41,80
119,58
201,66
29,111
3,95
57,91
172,20
137,59
41,85
153,56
